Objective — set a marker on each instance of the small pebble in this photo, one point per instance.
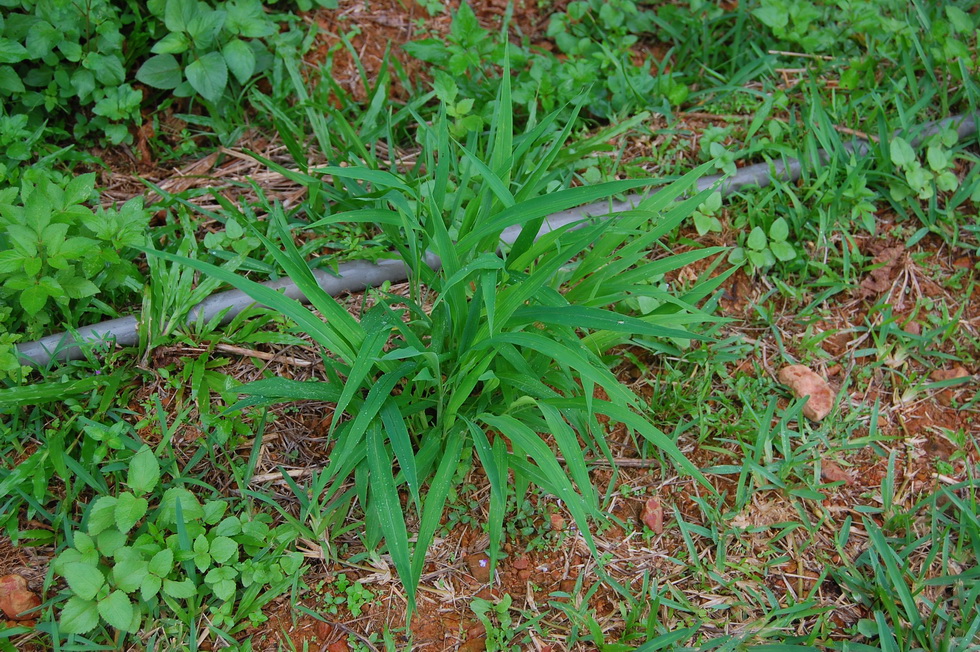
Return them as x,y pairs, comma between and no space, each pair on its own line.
479,567
804,382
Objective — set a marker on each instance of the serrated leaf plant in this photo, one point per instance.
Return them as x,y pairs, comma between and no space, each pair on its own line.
207,45
65,55
133,561
494,357
597,67
72,72
56,253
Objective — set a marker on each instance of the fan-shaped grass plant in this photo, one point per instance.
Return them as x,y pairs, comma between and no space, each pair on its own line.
495,355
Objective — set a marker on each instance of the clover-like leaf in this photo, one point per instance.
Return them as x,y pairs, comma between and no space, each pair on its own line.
947,181
224,550
229,527
757,239
779,230
129,574
80,188
215,509
84,543
224,590
178,13
240,59
110,541
712,203
705,223
757,258
150,587
183,589
959,19
33,298
201,544
901,152
162,563
11,51
172,43
782,250
167,514
291,562
937,158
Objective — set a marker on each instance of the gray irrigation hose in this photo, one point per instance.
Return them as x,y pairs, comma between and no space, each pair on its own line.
358,275
353,276
760,174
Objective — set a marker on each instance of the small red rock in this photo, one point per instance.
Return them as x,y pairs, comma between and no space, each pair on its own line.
945,397
338,646
830,472
955,372
479,566
23,602
804,382
963,262
653,515
474,645
557,522
322,630
11,583
521,563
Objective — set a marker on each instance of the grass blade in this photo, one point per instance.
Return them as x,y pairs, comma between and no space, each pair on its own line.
435,499
385,504
401,445
648,431
545,205
365,414
597,319
494,461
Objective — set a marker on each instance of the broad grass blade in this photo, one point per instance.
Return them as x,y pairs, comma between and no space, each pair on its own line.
435,499
385,504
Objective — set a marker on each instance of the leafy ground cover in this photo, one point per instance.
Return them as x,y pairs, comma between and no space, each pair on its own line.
580,442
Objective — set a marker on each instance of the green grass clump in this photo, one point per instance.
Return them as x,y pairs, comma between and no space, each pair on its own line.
493,370
486,355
